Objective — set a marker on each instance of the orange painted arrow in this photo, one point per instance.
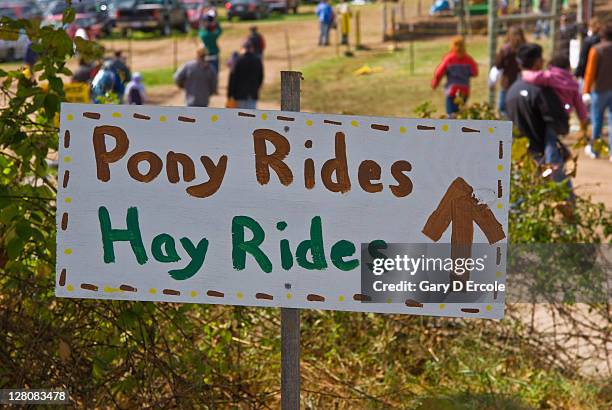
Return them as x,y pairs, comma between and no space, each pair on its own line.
460,206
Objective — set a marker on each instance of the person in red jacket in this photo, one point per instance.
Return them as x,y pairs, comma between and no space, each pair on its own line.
458,67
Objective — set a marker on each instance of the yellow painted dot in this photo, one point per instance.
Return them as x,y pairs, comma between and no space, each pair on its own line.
162,118
70,117
442,305
309,123
152,291
67,159
500,167
239,295
341,298
214,118
402,130
109,289
69,288
498,274
289,295
116,114
445,127
68,251
354,123
68,200
193,293
264,116
488,307
500,205
490,129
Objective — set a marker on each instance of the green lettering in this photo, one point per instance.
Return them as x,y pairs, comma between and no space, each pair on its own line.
373,248
131,235
286,257
164,241
340,250
315,245
240,247
197,254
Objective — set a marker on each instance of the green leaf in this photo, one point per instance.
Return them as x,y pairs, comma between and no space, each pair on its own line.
51,104
68,16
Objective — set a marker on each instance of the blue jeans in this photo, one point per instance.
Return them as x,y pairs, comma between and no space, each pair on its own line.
542,27
502,101
324,34
213,60
599,102
248,104
553,156
451,107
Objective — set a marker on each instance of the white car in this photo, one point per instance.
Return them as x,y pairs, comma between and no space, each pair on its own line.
11,50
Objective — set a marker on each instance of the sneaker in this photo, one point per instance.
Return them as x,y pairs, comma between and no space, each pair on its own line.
589,151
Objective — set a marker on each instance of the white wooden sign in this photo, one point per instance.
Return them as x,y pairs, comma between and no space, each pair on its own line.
264,208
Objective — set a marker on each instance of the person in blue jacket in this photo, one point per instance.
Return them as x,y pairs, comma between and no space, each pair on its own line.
325,13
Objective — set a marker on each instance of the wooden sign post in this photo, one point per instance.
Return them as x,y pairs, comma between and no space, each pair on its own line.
290,317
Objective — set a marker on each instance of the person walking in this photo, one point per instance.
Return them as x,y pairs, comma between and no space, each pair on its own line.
505,61
559,77
537,112
326,18
598,85
257,40
589,41
103,82
458,67
344,13
122,74
209,34
199,80
135,91
246,78
83,72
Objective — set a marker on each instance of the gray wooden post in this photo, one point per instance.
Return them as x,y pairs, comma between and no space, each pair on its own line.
290,318
555,9
461,25
492,32
384,21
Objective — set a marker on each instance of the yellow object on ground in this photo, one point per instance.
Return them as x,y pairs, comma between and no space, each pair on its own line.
366,70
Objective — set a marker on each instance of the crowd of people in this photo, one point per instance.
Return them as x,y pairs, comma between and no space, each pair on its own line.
110,75
539,97
328,17
199,78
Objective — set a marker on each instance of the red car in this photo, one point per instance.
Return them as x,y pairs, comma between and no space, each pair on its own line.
196,9
95,22
20,10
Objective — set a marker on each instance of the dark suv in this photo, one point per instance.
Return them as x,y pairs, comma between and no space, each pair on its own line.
151,15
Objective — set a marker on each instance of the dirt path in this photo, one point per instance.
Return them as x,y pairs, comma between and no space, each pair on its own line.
302,35
594,179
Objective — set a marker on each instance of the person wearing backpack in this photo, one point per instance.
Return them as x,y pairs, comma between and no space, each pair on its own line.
135,91
539,115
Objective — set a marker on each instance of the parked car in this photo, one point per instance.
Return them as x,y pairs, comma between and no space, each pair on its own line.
151,15
20,10
89,15
11,50
283,6
247,9
195,10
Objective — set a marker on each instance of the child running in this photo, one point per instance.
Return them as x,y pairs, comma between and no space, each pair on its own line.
560,79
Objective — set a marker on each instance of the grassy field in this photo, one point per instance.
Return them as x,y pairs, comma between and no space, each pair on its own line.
331,86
